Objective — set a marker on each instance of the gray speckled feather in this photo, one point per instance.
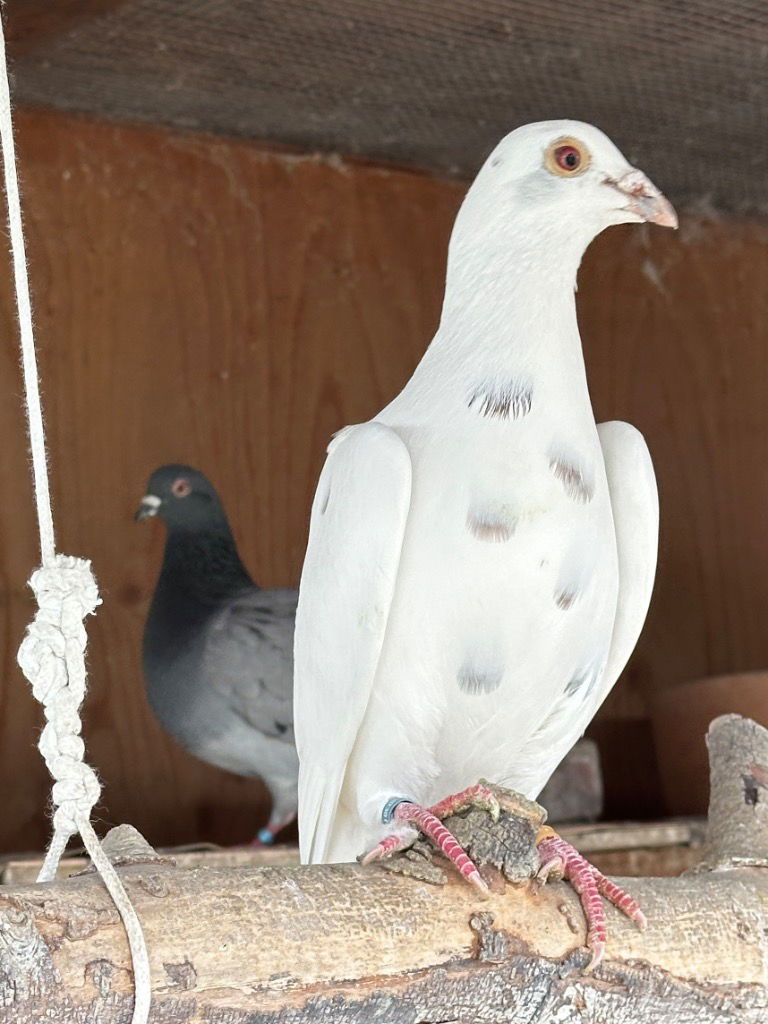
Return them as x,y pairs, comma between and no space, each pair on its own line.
218,650
248,656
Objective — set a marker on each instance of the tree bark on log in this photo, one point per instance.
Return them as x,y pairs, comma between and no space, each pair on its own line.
737,827
353,945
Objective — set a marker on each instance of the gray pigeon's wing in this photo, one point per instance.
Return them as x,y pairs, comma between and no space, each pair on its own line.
248,658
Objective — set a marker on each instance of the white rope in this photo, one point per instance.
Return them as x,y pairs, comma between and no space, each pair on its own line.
28,356
52,654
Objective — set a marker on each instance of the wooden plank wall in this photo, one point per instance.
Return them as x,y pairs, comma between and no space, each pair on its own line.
203,300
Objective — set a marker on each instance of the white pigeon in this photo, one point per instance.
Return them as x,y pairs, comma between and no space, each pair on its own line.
481,554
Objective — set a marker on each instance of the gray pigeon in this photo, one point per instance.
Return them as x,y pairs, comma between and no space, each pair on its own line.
218,650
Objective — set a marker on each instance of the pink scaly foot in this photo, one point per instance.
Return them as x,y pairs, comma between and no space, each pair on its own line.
388,846
474,796
428,823
559,857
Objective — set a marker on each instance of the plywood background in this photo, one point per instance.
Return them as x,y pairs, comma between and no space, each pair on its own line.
202,300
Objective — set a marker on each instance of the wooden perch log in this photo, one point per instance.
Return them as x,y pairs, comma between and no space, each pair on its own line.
345,944
737,829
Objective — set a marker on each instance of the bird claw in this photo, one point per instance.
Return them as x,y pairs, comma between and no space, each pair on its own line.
424,820
386,848
590,884
553,869
478,795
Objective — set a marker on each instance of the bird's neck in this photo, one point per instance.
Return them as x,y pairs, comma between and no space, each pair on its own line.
510,312
202,566
513,296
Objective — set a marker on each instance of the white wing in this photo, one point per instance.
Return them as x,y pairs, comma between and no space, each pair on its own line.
350,569
635,506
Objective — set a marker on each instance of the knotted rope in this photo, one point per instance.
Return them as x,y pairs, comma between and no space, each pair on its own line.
52,655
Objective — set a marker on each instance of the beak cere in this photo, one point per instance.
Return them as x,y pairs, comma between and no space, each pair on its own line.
149,506
645,200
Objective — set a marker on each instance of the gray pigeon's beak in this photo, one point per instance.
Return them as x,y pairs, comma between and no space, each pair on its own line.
645,200
149,506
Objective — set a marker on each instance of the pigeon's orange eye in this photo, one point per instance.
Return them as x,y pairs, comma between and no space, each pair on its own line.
567,158
180,488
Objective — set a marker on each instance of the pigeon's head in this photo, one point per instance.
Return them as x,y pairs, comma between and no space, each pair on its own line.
181,496
562,179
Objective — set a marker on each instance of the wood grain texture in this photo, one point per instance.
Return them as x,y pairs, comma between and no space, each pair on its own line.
203,300
197,300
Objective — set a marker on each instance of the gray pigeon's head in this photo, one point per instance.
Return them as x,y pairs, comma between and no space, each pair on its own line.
181,496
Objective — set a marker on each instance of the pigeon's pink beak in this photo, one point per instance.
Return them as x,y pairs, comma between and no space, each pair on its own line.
645,200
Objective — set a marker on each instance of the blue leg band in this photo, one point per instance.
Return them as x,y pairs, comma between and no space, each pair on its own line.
388,812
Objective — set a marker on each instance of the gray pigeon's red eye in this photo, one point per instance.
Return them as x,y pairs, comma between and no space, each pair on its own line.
568,157
180,488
